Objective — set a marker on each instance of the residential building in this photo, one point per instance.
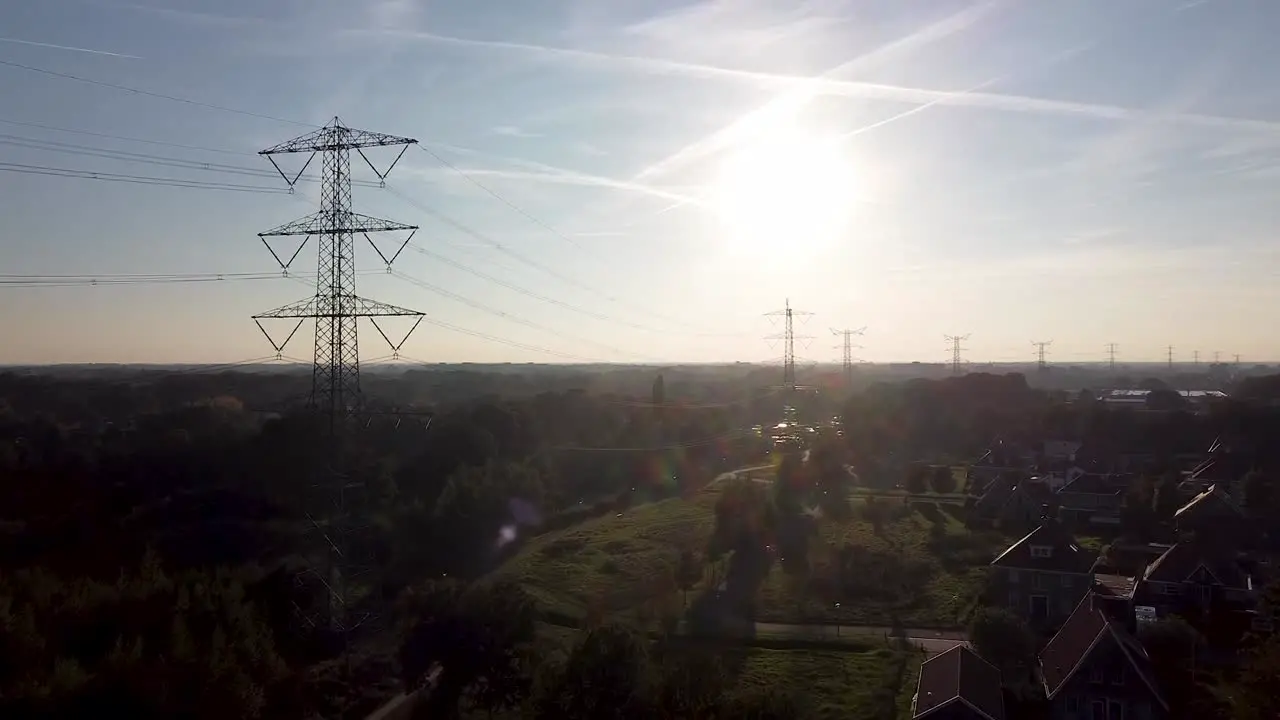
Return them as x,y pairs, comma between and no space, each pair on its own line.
1196,578
1095,669
1013,502
1043,576
958,685
1212,513
1093,499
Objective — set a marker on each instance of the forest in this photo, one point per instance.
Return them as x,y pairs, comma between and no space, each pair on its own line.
156,525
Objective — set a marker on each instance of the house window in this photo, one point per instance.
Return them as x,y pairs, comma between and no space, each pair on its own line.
1095,675
1099,710
1041,551
1013,577
1115,710
1118,678
1037,580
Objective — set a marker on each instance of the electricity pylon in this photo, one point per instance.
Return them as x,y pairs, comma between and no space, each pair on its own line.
847,349
335,308
956,349
1111,356
789,338
1041,365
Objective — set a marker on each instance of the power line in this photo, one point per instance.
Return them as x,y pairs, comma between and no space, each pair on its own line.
515,319
149,93
126,138
81,174
441,217
148,159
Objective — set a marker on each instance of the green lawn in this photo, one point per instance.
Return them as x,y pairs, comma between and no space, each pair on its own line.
838,685
923,576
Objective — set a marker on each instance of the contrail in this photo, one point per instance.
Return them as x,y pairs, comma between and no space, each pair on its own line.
67,47
795,98
848,88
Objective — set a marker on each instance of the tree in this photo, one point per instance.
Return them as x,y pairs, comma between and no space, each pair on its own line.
917,479
606,676
1004,640
1168,498
943,481
471,641
688,572
1259,492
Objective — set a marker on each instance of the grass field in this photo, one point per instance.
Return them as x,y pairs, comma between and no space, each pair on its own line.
843,685
931,567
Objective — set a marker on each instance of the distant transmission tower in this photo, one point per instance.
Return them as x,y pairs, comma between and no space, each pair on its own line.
848,347
335,307
1195,358
1170,356
1237,357
1111,356
1041,345
1216,354
956,349
789,338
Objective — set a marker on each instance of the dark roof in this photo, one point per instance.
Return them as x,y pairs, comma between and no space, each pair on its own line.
1088,628
1096,484
996,495
1211,498
959,675
1180,562
1067,555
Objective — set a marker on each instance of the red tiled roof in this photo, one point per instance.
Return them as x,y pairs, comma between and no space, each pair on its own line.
959,675
1087,628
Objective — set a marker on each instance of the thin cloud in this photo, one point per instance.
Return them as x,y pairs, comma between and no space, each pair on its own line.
51,46
566,177
512,131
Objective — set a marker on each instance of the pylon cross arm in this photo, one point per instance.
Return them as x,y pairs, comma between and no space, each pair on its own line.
314,224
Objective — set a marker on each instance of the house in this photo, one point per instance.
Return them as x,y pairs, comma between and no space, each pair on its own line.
1093,499
1197,577
958,685
1225,465
1014,502
1061,449
1043,575
1210,513
1095,669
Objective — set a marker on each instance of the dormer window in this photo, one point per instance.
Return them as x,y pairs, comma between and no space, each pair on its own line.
1041,551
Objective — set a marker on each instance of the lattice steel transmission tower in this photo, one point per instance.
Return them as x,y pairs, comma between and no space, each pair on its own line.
1041,345
1111,356
847,348
789,337
335,373
1169,356
957,363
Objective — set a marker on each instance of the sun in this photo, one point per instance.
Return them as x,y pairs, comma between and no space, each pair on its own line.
785,190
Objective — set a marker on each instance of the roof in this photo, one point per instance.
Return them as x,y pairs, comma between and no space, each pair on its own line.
959,675
1114,586
1180,562
1095,484
1067,555
1211,498
1088,628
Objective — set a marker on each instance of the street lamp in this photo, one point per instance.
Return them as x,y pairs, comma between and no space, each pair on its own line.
837,618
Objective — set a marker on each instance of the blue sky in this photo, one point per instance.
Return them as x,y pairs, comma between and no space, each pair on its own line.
1086,172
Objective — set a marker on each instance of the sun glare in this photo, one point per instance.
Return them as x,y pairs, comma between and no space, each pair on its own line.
785,190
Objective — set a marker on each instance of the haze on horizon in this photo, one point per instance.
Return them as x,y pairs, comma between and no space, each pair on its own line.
1086,172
